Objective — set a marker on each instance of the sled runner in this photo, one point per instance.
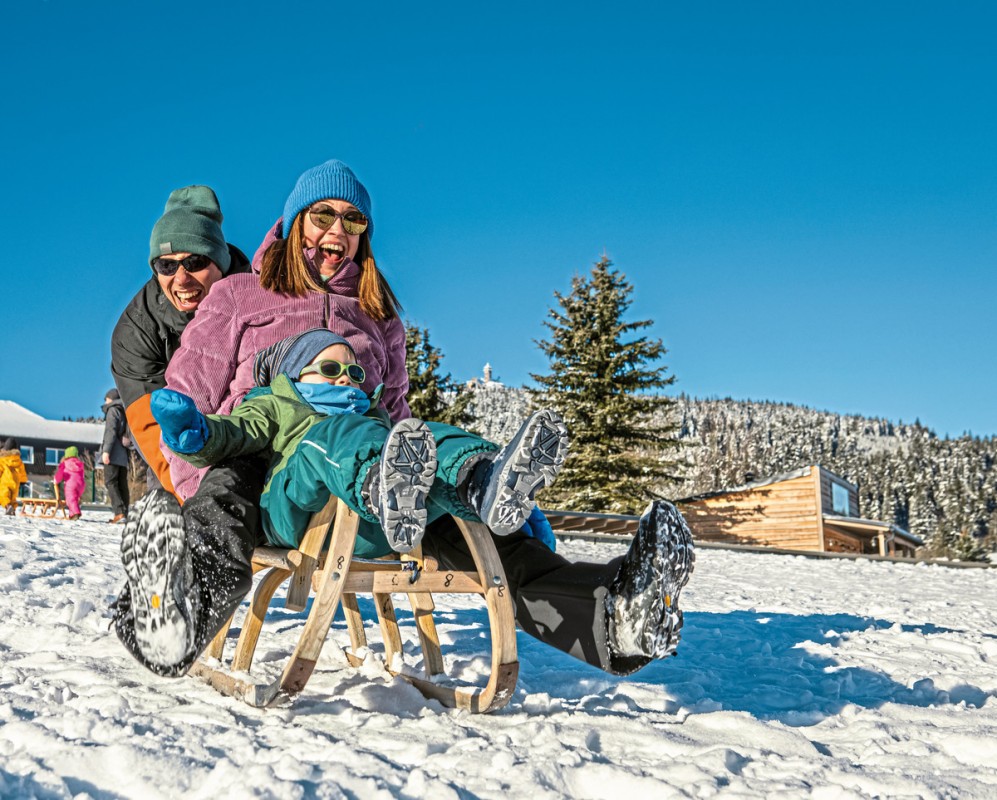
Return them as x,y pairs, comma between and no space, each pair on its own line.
337,577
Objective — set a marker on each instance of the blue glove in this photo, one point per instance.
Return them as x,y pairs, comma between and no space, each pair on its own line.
538,527
185,430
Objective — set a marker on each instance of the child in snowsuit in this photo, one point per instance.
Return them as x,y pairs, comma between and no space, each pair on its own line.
12,474
72,471
309,414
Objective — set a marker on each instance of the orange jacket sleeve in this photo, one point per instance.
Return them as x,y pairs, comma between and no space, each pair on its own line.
145,433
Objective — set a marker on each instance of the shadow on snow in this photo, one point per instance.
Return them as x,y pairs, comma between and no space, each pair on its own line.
774,666
778,666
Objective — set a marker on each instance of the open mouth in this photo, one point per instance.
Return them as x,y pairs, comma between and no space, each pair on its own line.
333,253
188,299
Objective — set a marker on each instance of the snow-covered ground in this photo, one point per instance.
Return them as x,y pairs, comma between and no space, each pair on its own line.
796,677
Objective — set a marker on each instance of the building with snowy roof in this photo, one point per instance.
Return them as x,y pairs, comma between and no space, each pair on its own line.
43,441
807,509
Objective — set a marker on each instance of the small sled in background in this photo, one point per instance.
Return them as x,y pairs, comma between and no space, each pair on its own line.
337,577
46,507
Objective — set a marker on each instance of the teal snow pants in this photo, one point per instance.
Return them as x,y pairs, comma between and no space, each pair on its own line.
335,456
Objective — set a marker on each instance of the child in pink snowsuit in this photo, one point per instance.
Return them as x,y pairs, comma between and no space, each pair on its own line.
71,471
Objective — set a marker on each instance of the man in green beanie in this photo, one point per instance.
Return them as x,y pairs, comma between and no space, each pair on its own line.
188,254
187,250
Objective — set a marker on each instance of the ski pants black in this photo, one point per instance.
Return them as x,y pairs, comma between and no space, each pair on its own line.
559,602
562,603
116,483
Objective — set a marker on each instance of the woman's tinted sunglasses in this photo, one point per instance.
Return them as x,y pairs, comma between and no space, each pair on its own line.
328,368
354,223
169,266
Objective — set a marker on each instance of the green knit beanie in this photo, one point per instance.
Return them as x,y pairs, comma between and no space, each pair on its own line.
72,452
191,223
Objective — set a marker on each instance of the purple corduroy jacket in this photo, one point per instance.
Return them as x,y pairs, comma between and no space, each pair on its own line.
238,318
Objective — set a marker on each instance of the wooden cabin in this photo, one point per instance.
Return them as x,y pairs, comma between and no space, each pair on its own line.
809,509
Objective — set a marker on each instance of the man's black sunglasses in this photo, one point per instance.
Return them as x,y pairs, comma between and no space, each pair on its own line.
169,266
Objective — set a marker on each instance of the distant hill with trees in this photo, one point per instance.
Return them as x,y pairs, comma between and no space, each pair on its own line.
942,489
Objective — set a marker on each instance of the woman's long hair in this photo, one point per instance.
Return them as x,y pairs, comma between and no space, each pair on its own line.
285,269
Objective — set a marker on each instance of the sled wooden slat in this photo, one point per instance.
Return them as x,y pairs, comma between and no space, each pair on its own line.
252,624
354,623
398,582
422,610
388,623
309,553
336,578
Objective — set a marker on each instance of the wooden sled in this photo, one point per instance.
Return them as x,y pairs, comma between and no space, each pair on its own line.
336,577
42,507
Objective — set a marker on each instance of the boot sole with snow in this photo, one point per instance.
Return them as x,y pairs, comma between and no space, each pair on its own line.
157,564
529,463
643,600
407,472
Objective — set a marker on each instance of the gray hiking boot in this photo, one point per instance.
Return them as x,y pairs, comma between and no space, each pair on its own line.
642,604
502,491
165,600
404,478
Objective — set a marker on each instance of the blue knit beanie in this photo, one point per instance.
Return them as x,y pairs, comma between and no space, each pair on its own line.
291,355
332,180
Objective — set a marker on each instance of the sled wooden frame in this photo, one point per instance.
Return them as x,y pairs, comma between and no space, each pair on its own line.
337,577
44,507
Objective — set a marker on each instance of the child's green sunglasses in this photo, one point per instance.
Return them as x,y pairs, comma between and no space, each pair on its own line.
328,368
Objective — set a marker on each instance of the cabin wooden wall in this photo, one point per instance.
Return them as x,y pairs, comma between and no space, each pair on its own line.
783,514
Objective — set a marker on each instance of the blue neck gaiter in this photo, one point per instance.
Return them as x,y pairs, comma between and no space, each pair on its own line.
326,398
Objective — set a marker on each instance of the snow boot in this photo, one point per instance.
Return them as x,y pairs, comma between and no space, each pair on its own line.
399,488
501,488
164,598
642,604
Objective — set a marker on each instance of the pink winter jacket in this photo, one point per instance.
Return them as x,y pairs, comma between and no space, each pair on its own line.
72,471
238,318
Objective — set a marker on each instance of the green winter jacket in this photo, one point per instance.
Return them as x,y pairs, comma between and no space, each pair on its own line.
272,421
313,455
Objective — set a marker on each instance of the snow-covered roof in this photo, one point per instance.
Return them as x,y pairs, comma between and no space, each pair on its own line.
746,487
20,423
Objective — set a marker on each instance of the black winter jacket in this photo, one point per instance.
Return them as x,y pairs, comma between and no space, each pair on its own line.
144,340
115,427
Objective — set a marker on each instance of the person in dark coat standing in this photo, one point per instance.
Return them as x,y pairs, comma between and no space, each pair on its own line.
114,454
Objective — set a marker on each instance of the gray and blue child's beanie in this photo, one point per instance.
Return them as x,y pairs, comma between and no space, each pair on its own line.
332,180
291,355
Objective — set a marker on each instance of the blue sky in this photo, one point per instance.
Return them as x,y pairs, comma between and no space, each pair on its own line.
803,195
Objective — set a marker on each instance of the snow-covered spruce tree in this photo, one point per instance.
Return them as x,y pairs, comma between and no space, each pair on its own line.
433,397
623,440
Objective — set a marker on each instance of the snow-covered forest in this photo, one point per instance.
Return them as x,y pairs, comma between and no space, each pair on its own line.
944,490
